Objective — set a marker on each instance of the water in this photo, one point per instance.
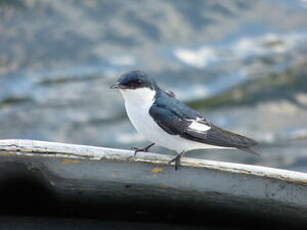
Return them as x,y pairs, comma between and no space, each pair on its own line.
241,63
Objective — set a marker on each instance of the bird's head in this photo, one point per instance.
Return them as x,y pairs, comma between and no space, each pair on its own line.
136,87
134,80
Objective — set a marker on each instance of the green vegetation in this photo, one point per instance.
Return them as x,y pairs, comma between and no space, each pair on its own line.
12,2
274,86
14,100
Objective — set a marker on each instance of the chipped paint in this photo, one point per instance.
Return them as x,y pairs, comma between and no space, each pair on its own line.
157,170
70,161
114,174
52,183
6,155
163,186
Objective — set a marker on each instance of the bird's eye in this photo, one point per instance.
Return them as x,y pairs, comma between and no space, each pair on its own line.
136,83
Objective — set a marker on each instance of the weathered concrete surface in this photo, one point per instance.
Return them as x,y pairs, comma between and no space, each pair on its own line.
79,175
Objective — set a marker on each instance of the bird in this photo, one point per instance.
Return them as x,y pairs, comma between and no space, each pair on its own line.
165,121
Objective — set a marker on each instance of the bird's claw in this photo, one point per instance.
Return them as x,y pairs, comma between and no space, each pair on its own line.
136,150
145,149
177,160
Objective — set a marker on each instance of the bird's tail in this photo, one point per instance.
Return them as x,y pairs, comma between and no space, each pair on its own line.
247,149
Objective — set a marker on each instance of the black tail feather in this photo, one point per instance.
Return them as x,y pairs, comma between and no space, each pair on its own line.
246,149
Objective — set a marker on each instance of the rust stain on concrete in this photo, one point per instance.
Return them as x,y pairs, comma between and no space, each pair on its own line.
157,170
70,162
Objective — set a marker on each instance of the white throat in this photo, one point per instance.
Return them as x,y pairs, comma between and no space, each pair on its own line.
141,96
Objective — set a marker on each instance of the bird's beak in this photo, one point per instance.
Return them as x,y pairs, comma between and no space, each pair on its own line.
115,86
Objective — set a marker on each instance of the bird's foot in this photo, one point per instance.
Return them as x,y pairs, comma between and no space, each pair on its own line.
145,149
176,160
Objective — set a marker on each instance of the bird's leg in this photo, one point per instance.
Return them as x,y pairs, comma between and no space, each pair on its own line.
176,159
145,149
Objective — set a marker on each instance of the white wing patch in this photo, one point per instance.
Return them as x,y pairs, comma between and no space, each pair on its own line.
198,127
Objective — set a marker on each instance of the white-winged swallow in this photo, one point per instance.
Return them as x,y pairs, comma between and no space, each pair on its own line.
162,119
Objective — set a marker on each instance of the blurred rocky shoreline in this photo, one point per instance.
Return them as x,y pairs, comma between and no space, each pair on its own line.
241,63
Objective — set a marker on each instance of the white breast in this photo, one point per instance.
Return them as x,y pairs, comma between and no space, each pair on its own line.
138,103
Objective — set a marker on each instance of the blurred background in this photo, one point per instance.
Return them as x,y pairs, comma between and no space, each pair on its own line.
243,64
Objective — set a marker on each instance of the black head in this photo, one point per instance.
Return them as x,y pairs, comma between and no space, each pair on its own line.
134,80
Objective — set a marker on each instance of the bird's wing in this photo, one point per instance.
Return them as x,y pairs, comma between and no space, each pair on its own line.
174,121
220,137
168,120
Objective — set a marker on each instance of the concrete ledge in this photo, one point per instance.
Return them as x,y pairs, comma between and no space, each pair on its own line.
106,176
